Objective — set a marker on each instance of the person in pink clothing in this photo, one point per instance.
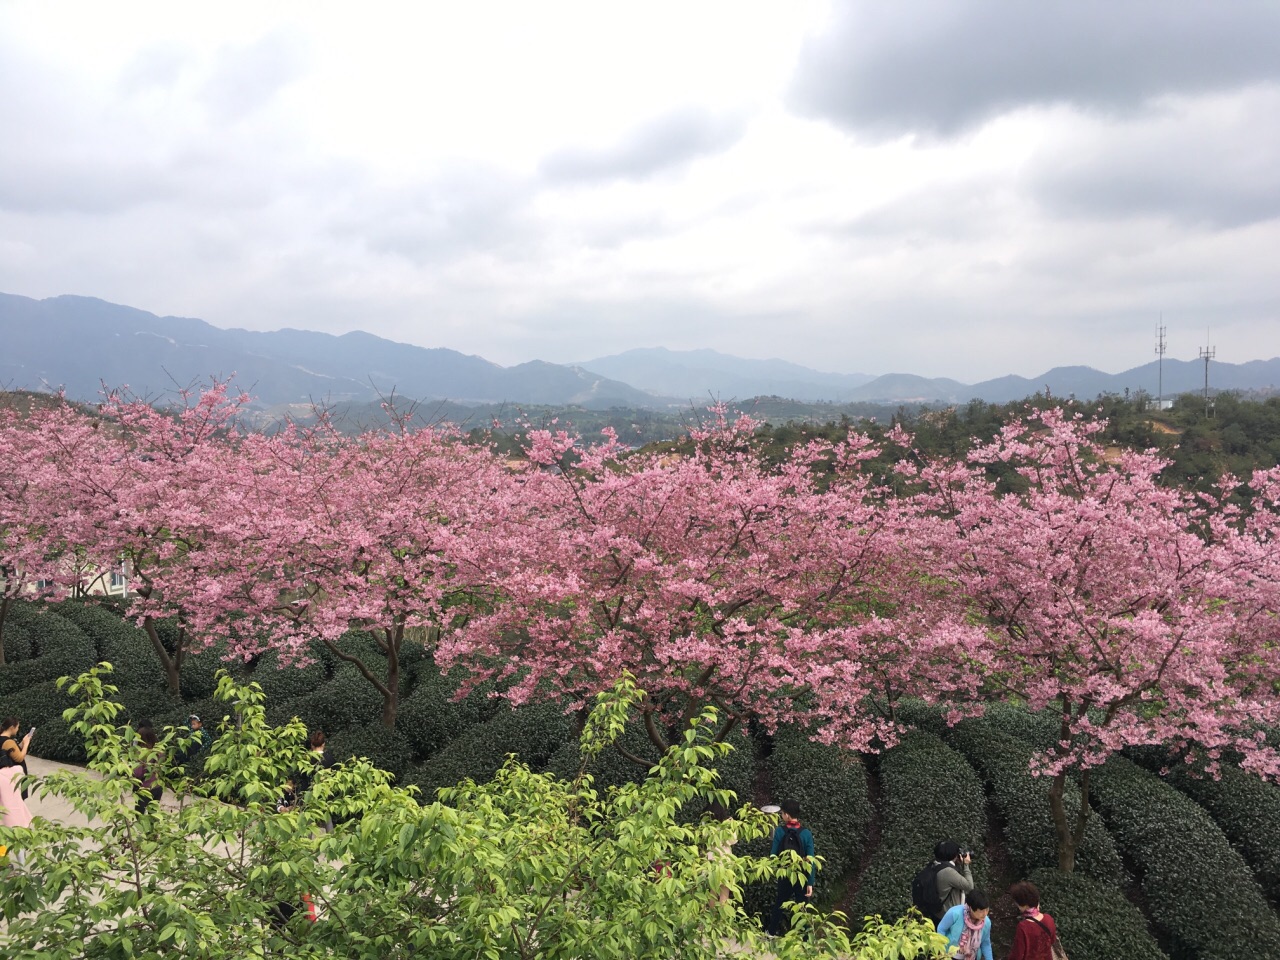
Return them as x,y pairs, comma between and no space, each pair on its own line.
13,810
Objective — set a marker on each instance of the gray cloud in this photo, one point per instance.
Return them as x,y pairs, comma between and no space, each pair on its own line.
672,140
457,211
941,67
1217,167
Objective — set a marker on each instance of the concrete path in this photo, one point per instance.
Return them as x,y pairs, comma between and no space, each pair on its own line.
58,809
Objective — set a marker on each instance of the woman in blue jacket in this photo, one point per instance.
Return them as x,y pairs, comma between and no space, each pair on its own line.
968,927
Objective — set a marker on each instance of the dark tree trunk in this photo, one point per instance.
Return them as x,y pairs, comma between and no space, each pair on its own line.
390,688
170,664
4,612
391,692
1066,838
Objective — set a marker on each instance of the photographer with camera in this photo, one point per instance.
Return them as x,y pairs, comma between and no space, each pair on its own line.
943,883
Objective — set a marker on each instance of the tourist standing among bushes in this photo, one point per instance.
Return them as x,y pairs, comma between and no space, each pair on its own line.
791,835
967,927
146,776
321,749
1036,933
955,879
13,754
197,742
321,759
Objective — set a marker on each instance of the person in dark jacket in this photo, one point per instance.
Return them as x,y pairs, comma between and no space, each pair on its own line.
787,834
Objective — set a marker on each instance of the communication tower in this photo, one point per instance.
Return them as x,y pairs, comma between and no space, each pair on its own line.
1207,353
1160,364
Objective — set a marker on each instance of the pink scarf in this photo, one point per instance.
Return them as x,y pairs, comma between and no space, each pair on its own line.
971,938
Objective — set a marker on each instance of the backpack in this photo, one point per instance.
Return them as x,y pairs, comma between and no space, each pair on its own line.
924,891
791,841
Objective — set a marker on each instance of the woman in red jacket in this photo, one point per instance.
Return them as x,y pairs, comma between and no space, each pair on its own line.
1036,932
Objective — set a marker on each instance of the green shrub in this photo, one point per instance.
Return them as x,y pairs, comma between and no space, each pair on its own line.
533,732
59,648
1023,802
384,748
154,704
1094,919
430,717
280,712
119,642
922,716
346,702
17,643
611,768
1247,810
414,657
930,794
57,741
737,769
284,682
36,704
198,678
1038,729
831,787
1199,890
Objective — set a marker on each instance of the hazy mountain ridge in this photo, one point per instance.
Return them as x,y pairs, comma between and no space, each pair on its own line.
80,343
695,374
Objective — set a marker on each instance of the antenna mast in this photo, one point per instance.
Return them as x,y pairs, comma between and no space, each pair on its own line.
1160,362
1207,353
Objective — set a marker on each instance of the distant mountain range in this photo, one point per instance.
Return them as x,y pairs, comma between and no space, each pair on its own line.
79,343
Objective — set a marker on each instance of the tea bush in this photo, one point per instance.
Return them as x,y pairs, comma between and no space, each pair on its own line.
1199,890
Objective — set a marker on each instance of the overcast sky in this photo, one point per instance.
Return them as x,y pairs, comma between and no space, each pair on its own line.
951,188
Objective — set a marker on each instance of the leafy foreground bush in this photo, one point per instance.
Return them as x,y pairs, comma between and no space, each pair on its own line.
526,866
1199,890
1023,801
930,794
1094,919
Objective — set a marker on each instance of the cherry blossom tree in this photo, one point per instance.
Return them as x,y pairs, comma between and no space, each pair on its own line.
1106,599
712,577
135,488
37,559
382,532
